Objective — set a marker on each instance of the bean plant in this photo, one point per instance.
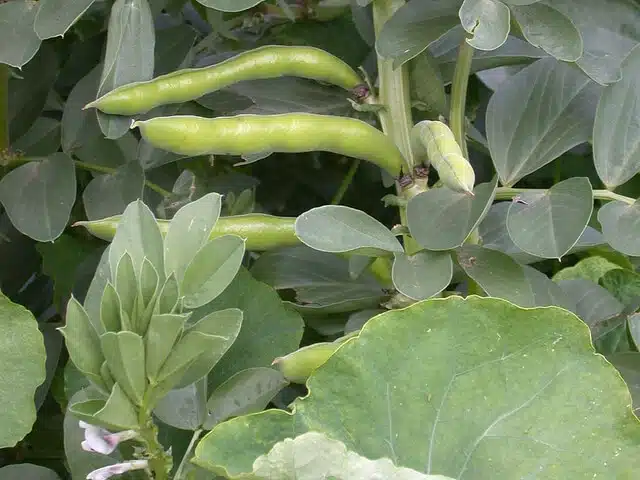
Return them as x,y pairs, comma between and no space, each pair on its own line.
313,239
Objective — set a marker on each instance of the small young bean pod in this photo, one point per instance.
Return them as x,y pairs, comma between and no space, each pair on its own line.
261,232
297,366
270,61
287,132
435,141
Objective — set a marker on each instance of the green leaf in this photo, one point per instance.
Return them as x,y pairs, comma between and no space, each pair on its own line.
248,391
101,277
22,353
109,194
548,224
82,341
212,270
441,219
19,42
138,235
317,277
39,195
79,461
60,259
590,268
27,470
168,296
427,86
269,329
162,334
487,21
634,329
351,230
183,408
494,234
127,290
628,364
224,325
128,56
189,231
514,373
624,285
545,27
621,226
605,33
413,27
615,137
230,5
594,303
314,456
41,140
422,275
148,283
55,17
110,310
125,356
537,115
117,413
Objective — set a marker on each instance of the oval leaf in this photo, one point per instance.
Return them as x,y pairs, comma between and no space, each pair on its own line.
488,21
22,353
537,115
545,27
212,270
548,224
621,226
441,219
616,136
338,229
55,17
422,275
19,42
39,196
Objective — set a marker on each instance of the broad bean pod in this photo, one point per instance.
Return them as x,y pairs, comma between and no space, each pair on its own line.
435,141
287,132
261,232
270,61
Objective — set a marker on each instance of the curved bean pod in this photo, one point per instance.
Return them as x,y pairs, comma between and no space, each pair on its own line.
287,132
270,61
261,232
435,140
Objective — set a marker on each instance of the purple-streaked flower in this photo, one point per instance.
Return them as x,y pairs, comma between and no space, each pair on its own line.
117,469
99,440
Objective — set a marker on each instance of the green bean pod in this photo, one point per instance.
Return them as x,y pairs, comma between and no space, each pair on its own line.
435,141
261,232
270,61
297,366
257,134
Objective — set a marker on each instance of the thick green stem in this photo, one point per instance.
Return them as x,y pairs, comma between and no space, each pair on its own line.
459,95
346,182
394,94
394,90
159,460
506,193
4,107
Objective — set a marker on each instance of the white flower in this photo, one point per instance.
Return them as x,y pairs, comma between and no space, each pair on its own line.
117,469
99,440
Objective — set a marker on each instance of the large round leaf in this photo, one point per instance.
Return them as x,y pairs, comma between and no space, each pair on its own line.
537,115
472,389
22,355
548,224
